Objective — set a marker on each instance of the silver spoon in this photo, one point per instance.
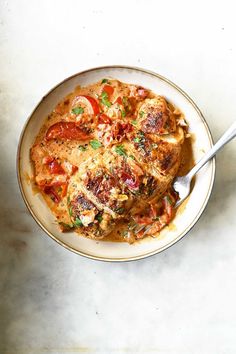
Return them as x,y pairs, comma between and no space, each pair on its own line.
182,184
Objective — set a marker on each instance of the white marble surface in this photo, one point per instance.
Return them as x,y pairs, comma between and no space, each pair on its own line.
180,301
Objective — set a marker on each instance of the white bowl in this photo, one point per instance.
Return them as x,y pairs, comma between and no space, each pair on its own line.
185,218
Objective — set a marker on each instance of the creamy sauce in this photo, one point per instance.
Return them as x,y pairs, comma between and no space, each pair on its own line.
76,151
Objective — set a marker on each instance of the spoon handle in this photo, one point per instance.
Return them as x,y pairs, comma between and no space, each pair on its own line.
226,137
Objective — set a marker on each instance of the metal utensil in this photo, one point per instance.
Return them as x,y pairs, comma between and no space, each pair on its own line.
182,184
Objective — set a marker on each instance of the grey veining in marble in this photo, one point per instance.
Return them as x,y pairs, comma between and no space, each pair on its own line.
180,301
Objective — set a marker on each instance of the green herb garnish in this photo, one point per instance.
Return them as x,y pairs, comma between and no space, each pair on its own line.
140,138
99,218
78,222
70,211
141,134
141,113
82,147
119,210
95,144
78,110
134,122
104,81
104,99
123,113
132,157
120,150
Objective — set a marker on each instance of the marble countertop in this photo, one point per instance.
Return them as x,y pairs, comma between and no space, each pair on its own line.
180,301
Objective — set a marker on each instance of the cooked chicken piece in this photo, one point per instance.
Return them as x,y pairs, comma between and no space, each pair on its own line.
87,216
155,117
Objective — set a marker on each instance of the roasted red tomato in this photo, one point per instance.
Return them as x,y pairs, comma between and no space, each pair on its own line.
50,190
118,100
108,89
55,168
66,131
56,190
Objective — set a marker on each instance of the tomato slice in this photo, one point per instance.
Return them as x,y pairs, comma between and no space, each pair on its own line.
55,168
118,100
66,131
74,169
89,102
108,89
64,189
93,103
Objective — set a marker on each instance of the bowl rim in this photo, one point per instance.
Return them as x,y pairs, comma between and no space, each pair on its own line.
121,259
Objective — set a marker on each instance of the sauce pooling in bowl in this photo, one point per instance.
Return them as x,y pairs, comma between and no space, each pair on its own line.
106,157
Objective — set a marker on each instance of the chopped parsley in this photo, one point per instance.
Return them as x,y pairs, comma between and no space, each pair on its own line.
140,138
132,157
137,140
123,113
134,122
99,218
82,147
104,99
95,144
105,81
78,222
120,150
70,211
78,110
141,113
140,141
119,210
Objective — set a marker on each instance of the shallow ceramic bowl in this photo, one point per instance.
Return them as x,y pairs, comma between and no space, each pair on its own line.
185,218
